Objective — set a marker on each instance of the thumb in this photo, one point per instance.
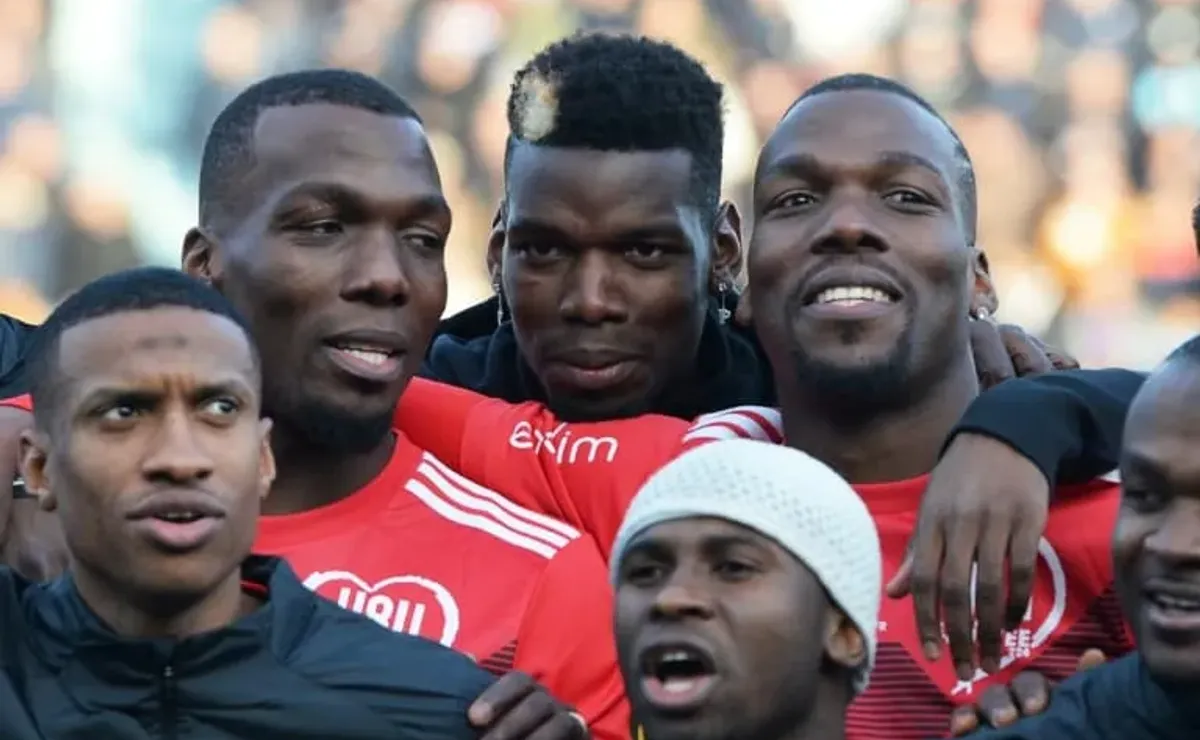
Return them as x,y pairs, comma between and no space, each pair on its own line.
899,586
1090,659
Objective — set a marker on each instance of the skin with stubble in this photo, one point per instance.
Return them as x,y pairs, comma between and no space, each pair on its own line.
156,409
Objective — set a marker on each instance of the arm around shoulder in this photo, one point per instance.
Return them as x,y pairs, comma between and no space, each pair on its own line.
1068,423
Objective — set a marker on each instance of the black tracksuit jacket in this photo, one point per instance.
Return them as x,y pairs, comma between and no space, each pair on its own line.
299,668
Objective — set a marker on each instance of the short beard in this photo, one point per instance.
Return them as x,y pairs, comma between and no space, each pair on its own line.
855,396
319,427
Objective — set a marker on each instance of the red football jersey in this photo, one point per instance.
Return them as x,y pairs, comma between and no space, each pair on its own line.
586,474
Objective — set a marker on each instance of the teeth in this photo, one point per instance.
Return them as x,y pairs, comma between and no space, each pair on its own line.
1173,602
369,356
679,685
675,656
852,294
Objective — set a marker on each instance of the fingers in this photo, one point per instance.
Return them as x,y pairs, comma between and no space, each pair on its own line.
956,593
964,720
1022,564
536,716
1091,658
1031,693
1027,354
992,363
989,594
500,698
899,586
926,560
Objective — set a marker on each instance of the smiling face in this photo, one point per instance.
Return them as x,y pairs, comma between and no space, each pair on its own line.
337,263
720,632
860,269
1156,543
606,269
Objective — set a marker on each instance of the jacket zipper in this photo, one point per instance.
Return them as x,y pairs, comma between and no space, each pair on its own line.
168,719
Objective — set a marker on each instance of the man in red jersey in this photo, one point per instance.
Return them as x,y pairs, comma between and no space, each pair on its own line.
322,219
863,274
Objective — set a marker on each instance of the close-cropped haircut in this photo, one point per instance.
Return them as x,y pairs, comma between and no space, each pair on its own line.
968,206
621,93
139,289
229,149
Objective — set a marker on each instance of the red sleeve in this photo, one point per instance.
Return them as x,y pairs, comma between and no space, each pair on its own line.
566,641
19,402
584,474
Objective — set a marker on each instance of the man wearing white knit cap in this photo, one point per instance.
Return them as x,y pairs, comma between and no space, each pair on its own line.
748,580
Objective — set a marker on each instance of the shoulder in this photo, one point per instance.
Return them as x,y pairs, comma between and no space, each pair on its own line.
739,422
463,502
390,671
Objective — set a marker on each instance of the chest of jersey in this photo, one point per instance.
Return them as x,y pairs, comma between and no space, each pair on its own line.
413,570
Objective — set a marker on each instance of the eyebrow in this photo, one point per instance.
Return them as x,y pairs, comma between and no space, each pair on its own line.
662,230
107,394
808,164
429,205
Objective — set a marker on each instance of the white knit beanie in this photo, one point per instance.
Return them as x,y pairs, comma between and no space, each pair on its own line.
794,499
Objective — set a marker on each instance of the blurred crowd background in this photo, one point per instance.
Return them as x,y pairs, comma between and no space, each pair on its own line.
1081,115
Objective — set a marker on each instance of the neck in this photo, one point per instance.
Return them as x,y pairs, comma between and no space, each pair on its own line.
148,616
827,721
309,476
894,445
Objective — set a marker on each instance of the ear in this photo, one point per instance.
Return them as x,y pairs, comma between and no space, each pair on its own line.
844,644
726,247
495,247
983,292
266,458
200,257
33,456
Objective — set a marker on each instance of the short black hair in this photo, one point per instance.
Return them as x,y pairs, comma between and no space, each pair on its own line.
138,289
624,93
229,148
968,205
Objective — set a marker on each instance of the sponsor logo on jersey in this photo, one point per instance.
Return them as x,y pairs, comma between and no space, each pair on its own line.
411,604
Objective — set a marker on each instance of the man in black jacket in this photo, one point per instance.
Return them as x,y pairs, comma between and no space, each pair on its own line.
149,444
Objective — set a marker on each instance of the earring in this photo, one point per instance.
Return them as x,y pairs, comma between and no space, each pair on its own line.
499,302
723,312
981,314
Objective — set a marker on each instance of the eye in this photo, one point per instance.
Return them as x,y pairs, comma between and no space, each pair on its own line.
730,569
324,227
907,197
221,406
644,252
425,241
1143,500
537,251
119,413
791,200
643,574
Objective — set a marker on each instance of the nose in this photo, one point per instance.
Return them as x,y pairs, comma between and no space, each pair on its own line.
377,274
847,228
589,295
683,596
177,457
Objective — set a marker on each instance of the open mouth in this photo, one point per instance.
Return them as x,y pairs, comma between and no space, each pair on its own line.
677,676
1174,604
365,360
851,295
